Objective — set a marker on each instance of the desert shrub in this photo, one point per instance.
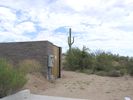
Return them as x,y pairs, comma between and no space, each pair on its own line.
123,72
131,71
130,67
77,59
114,73
87,71
72,59
99,62
104,61
30,66
101,73
11,80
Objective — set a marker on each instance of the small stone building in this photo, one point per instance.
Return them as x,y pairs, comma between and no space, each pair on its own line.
46,53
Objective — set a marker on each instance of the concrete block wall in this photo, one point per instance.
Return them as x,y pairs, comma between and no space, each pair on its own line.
19,51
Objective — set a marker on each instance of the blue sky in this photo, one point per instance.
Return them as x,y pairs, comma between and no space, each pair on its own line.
97,24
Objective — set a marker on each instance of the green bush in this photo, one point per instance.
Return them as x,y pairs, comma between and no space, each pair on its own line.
130,67
77,59
72,59
123,71
104,61
11,80
114,73
131,72
87,71
101,73
99,62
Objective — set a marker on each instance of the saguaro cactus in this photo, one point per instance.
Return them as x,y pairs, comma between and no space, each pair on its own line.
70,40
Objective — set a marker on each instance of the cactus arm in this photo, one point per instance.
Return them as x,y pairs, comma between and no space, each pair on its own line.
72,41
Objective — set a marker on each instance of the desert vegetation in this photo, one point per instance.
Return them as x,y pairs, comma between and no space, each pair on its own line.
99,62
13,78
30,66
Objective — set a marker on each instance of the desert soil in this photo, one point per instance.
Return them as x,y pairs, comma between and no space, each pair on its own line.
79,85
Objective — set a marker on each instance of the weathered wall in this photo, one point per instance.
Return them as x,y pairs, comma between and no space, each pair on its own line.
19,51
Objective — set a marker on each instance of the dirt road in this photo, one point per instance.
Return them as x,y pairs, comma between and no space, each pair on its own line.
79,85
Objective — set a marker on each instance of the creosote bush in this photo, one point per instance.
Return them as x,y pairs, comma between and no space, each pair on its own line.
11,80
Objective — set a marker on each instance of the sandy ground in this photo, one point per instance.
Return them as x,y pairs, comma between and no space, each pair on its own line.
79,85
